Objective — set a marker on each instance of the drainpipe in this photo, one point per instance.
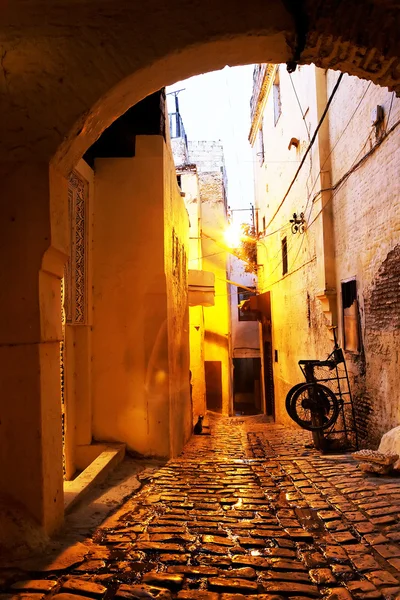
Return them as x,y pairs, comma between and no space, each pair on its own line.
325,241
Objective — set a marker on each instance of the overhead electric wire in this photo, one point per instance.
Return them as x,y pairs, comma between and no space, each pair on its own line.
303,114
390,110
316,195
355,166
340,136
335,189
332,149
308,148
285,226
337,141
338,184
207,255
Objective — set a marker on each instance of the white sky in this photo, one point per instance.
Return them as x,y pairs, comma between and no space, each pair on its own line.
216,106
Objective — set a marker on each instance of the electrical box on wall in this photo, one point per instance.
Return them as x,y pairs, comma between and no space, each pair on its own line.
377,115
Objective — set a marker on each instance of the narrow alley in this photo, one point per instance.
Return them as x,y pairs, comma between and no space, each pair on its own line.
246,510
199,214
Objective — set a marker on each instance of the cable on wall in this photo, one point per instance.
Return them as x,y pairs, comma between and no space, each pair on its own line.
308,148
341,135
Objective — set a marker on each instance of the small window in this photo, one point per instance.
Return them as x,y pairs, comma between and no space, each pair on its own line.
276,92
244,294
284,256
260,146
350,316
179,180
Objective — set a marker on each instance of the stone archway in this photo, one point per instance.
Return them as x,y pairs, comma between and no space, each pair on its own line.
63,84
350,38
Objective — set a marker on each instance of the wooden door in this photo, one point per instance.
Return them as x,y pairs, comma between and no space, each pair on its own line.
213,373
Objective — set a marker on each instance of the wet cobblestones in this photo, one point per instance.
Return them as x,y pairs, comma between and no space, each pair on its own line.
248,511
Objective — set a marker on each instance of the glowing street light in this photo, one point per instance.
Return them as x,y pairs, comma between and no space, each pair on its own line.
233,235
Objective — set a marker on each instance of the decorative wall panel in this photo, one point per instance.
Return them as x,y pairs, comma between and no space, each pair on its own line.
76,269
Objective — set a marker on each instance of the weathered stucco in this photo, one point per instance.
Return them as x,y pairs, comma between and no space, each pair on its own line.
203,183
30,326
140,340
351,232
176,234
190,189
123,52
298,323
367,237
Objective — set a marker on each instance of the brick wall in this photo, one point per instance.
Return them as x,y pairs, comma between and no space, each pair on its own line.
366,216
206,155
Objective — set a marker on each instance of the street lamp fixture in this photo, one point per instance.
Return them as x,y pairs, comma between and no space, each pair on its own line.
298,223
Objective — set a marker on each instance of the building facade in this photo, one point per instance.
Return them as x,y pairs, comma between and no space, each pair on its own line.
225,355
328,231
123,332
247,388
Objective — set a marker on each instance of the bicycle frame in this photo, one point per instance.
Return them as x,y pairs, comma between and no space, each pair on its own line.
341,388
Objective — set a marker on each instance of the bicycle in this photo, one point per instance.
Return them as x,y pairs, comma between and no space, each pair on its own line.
314,405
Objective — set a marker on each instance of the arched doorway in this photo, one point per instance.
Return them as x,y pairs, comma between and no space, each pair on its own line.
64,86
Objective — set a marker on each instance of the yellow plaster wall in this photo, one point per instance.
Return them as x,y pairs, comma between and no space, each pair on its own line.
30,335
139,356
190,187
209,326
176,249
217,318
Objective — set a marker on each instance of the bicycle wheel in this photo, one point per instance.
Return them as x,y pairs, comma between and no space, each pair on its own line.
314,407
289,397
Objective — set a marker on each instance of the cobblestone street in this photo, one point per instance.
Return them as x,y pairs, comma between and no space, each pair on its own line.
248,511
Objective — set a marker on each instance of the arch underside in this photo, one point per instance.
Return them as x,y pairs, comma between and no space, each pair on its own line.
65,77
65,83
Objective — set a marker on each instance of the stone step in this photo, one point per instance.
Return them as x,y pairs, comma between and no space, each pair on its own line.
95,473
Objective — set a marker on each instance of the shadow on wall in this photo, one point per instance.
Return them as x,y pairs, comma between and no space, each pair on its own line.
216,338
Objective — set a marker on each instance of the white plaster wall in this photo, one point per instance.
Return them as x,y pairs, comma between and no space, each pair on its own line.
365,212
245,334
298,324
